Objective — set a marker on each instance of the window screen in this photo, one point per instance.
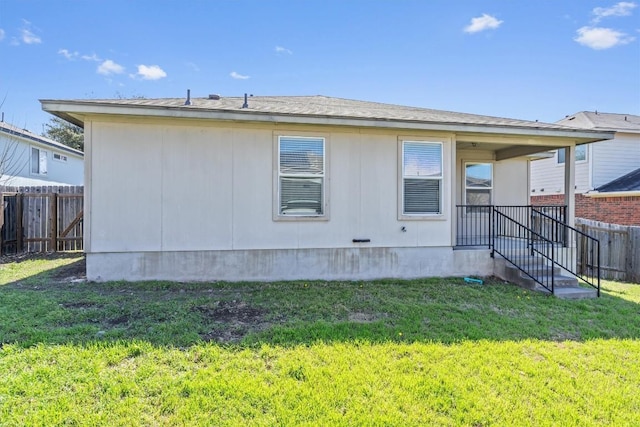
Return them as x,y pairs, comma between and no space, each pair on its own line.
301,174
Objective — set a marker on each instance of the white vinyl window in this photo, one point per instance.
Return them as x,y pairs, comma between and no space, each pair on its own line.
421,178
478,183
59,157
581,153
301,176
38,161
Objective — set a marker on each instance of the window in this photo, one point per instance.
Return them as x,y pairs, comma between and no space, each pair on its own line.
301,176
421,178
581,153
59,157
38,161
478,183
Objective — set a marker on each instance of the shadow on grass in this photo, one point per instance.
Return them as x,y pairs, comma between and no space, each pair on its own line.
49,308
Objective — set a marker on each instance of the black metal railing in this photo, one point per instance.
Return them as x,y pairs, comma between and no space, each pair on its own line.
529,235
517,249
581,259
474,224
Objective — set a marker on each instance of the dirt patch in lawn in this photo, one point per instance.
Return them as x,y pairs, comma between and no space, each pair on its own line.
75,271
233,320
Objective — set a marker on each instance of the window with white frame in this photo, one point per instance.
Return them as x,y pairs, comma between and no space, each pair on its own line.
59,157
581,153
38,161
478,183
301,176
421,178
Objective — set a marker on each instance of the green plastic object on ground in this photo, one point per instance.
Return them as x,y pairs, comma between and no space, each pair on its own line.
472,280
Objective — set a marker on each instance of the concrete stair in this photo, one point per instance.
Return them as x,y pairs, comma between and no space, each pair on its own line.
565,287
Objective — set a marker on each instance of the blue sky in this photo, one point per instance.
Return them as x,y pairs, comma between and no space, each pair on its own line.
534,60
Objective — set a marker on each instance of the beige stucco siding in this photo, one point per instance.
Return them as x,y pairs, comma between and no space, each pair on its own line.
510,177
127,188
511,182
174,186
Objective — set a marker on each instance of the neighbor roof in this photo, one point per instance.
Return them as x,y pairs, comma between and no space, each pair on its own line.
603,121
628,182
9,129
308,109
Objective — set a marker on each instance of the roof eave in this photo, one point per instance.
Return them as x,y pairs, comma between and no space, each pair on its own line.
73,110
59,147
630,193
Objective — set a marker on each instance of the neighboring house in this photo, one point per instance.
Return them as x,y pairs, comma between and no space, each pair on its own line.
281,188
597,165
27,159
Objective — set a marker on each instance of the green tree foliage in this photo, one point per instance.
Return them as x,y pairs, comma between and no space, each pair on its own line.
65,133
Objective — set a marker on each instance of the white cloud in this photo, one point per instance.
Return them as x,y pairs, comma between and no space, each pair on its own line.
150,72
622,8
109,67
283,50
238,76
69,55
28,37
601,38
1,34
481,23
92,57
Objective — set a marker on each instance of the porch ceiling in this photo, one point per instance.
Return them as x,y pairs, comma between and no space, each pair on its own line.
507,147
505,151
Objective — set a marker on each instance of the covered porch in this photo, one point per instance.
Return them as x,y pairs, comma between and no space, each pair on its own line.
493,212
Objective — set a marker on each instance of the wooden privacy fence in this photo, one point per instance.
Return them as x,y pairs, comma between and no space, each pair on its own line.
41,219
619,249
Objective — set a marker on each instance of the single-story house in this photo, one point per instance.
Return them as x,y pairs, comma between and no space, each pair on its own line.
307,187
27,159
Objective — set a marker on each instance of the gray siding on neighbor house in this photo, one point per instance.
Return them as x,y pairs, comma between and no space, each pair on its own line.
547,175
17,152
615,158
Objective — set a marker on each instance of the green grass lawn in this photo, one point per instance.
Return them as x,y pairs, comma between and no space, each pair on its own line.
420,352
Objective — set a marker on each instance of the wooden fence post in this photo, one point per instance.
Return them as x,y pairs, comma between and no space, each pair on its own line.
19,230
53,214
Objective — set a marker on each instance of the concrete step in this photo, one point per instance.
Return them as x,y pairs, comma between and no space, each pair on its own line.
564,286
576,292
534,264
559,281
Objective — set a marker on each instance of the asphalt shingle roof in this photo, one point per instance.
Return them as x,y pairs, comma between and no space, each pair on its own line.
323,106
10,129
603,121
628,182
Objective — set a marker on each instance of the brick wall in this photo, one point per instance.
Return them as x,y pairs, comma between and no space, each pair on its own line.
614,210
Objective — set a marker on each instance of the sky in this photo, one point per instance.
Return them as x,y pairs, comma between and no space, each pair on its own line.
533,60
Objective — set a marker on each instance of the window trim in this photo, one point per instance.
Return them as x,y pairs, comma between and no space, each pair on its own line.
465,188
277,216
62,158
442,178
46,154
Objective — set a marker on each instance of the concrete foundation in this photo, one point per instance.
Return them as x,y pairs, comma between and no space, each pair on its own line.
289,264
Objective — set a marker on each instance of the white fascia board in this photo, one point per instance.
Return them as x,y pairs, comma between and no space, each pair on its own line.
78,108
613,194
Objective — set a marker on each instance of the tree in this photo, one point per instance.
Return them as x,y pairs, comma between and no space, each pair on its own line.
65,133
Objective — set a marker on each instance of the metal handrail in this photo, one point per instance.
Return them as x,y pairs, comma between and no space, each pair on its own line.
509,249
544,231
592,249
